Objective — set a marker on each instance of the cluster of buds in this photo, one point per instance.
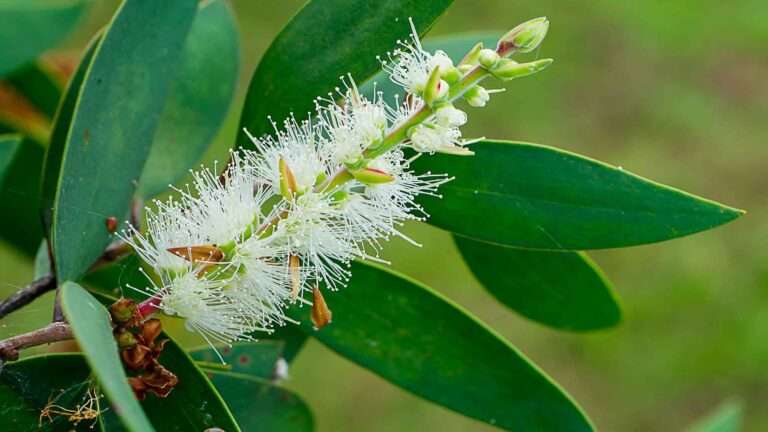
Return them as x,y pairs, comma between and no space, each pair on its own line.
140,350
287,219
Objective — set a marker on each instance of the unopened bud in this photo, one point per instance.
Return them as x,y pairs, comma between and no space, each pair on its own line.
288,187
477,96
125,340
452,75
471,57
450,117
509,69
488,58
436,89
372,176
524,38
321,314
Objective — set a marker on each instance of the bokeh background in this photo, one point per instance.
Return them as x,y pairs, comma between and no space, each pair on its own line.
676,91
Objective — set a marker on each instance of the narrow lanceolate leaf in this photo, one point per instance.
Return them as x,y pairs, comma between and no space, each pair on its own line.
58,140
539,197
726,418
324,41
417,339
21,162
29,385
257,359
194,402
261,406
121,99
565,290
92,329
31,27
199,98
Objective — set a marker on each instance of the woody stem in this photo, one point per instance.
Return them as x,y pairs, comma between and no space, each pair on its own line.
53,332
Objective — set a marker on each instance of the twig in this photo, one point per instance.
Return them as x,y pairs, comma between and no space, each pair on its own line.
53,332
27,294
112,253
58,312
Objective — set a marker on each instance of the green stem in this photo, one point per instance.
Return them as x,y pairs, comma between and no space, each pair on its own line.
468,81
398,135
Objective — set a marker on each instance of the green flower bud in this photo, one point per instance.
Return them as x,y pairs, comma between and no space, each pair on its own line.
524,38
477,96
508,69
372,176
471,57
449,116
488,58
452,75
436,89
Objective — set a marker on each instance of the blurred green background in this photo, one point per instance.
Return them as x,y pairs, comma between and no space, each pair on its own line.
673,90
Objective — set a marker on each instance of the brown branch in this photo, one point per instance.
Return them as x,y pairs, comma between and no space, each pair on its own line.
112,253
58,312
53,332
27,294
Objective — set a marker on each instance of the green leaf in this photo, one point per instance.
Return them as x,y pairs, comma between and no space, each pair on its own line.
91,327
59,134
31,27
565,290
538,197
9,147
261,406
42,264
325,40
37,82
291,336
19,188
728,417
28,385
113,124
198,100
415,338
257,359
195,403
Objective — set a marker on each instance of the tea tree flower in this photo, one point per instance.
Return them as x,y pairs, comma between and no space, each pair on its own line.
285,220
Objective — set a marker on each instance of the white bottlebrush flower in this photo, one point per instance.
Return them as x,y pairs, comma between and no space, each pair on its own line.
224,210
298,145
437,138
208,213
167,227
409,66
202,301
262,283
378,212
451,117
352,125
313,229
